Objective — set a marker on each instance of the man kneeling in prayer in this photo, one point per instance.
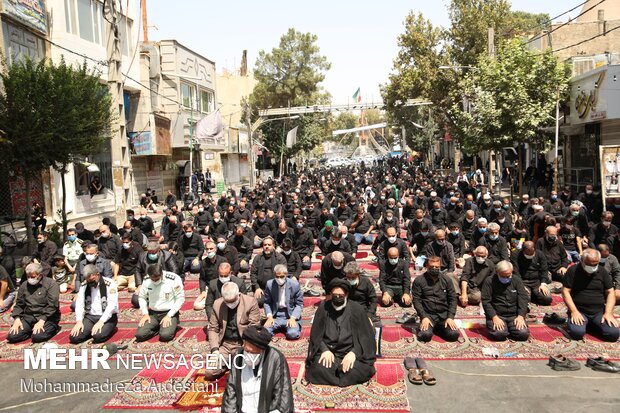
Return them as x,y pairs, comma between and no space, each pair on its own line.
342,348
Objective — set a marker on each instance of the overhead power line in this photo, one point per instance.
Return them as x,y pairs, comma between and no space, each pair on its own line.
587,40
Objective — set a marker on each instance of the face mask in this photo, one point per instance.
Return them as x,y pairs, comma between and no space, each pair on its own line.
554,197
339,303
261,220
72,238
393,261
33,281
505,280
497,209
221,246
433,272
224,280
243,225
300,225
606,224
424,233
40,241
525,202
480,260
211,254
105,235
92,283
158,282
336,241
216,220
589,192
493,237
551,238
79,231
126,245
142,216
234,305
389,219
129,217
469,220
189,234
201,210
354,282
287,252
281,281
455,233
482,230
437,209
441,242
392,240
91,257
603,260
152,257
590,269
529,257
506,206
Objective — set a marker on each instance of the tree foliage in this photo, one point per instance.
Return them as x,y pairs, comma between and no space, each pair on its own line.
291,75
424,48
508,98
50,115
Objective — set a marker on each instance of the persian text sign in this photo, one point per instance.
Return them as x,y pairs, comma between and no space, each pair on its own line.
29,12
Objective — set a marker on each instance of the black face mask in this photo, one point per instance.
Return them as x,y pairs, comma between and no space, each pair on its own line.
92,283
434,272
337,301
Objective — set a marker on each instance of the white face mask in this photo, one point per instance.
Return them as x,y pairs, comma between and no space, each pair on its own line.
480,260
33,281
287,252
354,282
221,246
590,269
392,239
91,257
335,241
234,304
224,280
469,220
529,257
281,281
158,282
393,261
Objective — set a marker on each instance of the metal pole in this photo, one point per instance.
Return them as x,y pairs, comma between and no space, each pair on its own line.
145,27
251,154
191,145
557,141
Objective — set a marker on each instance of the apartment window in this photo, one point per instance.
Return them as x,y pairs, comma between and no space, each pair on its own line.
206,101
188,96
85,19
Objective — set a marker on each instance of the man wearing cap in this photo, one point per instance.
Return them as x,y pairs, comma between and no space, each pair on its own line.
342,347
263,384
161,298
96,308
232,314
284,302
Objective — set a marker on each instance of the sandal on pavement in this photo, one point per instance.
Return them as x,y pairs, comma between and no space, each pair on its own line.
415,377
427,377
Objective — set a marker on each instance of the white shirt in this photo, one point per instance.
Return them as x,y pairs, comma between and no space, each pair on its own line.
282,296
250,387
95,298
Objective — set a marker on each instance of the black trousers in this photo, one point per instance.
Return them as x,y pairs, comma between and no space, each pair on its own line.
107,331
536,296
334,376
509,330
50,328
441,330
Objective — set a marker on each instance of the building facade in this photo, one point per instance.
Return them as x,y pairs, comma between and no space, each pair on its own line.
78,28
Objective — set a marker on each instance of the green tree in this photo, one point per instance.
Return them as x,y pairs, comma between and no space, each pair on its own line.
290,75
49,114
508,99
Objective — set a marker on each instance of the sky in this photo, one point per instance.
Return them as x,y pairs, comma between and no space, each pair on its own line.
358,37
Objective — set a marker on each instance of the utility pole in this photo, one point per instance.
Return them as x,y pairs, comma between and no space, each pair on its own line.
557,142
145,27
251,144
119,147
491,50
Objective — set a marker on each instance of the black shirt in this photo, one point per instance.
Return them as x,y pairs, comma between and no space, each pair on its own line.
435,299
232,332
364,294
129,259
504,300
395,275
569,237
588,290
475,273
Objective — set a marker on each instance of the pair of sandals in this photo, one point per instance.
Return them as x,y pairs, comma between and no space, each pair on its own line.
418,372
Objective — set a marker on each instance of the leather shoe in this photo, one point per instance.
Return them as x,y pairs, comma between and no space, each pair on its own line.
553,318
561,363
405,318
600,364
